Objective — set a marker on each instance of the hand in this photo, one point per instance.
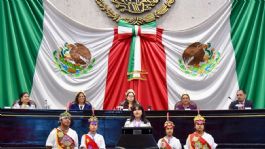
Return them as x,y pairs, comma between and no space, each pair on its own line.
163,144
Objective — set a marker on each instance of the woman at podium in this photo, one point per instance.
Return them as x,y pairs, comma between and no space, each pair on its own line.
137,118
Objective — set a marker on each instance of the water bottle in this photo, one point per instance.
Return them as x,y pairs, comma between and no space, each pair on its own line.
46,106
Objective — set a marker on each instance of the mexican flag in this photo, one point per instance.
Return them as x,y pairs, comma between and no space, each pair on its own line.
53,57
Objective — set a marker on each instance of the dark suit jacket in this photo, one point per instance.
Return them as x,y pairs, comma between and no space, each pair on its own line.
233,105
75,106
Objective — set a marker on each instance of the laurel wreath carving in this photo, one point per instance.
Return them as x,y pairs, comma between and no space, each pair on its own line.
152,16
134,6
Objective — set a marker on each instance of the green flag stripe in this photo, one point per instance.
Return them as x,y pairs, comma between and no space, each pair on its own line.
131,58
247,23
148,25
133,42
21,36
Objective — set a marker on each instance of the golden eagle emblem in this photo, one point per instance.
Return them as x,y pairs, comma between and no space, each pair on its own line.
74,59
199,59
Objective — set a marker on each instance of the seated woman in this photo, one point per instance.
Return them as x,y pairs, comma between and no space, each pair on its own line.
137,118
185,103
130,100
80,102
24,102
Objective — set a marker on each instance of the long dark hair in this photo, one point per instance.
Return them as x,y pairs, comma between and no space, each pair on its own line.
138,107
20,97
77,95
126,103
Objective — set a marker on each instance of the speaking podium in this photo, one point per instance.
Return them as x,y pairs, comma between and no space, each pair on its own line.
136,138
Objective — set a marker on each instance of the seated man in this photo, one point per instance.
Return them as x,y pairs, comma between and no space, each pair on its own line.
92,140
200,139
169,141
241,103
185,103
63,136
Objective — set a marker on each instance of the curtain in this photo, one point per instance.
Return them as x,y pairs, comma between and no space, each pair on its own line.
248,38
20,19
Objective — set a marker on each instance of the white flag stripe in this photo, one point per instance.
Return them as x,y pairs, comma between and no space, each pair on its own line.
208,91
124,30
147,30
49,83
212,91
137,54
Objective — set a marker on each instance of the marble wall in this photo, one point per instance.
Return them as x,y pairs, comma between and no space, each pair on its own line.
182,15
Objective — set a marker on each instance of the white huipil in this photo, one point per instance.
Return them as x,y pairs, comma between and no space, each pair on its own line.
207,137
99,140
172,141
136,123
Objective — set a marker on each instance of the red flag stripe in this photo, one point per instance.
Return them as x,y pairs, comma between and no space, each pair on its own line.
149,92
